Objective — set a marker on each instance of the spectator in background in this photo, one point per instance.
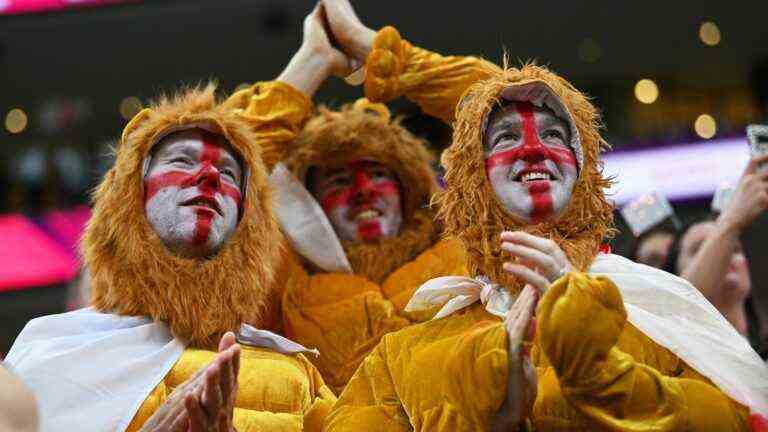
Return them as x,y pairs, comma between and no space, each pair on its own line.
652,248
18,412
708,254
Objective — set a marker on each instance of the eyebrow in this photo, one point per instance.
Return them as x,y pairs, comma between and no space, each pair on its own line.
554,121
503,125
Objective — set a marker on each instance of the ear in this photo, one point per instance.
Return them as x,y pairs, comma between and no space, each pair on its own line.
134,124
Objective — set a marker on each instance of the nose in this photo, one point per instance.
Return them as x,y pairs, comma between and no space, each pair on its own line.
208,177
533,150
363,187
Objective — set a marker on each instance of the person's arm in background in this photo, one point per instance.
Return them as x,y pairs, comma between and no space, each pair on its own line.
18,408
277,110
396,68
710,264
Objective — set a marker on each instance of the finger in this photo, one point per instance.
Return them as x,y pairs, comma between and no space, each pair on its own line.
197,418
513,311
236,361
534,256
520,237
226,380
517,323
212,399
529,276
180,422
754,162
227,341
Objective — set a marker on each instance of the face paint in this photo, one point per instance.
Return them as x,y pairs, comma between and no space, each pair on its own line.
192,192
530,166
362,200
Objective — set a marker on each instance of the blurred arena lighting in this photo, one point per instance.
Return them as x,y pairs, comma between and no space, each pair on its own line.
705,126
589,50
129,107
16,120
709,33
646,91
685,171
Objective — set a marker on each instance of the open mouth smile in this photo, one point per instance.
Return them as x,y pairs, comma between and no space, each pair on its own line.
533,174
204,201
365,214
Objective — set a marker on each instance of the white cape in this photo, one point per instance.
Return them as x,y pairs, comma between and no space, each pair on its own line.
664,307
91,371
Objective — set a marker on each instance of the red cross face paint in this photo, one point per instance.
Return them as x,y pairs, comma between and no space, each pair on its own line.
529,162
192,192
362,200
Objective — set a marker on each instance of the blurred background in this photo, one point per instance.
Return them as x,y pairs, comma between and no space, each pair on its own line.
677,83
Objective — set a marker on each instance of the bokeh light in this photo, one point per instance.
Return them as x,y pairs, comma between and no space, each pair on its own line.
705,126
16,120
709,33
646,91
130,106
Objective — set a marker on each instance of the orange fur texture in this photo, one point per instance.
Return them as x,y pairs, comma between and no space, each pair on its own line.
134,274
364,130
468,207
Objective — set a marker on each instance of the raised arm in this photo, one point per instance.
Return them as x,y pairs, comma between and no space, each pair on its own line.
709,266
608,385
396,68
277,110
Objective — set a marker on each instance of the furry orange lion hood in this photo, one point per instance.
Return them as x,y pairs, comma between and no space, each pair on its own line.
469,208
365,130
133,272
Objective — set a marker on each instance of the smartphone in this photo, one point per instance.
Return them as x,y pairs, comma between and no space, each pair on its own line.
757,135
754,241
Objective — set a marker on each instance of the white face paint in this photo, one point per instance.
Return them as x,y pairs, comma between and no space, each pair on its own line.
362,200
192,192
528,161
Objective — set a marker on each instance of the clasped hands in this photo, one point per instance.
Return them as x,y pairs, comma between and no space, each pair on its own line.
204,402
537,262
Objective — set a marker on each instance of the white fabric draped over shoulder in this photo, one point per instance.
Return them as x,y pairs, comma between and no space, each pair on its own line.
91,371
664,307
305,224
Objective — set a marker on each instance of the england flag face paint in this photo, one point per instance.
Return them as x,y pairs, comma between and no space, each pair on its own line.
528,161
192,192
362,200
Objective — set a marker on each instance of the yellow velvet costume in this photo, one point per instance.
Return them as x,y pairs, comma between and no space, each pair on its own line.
345,315
134,274
596,371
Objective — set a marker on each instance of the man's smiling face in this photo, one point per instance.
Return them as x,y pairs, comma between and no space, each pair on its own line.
528,160
362,200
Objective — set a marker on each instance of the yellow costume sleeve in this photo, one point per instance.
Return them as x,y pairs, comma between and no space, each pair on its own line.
580,320
276,111
436,83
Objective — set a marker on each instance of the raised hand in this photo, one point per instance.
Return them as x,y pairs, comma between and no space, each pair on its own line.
173,415
354,37
522,381
750,198
216,405
316,59
540,261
